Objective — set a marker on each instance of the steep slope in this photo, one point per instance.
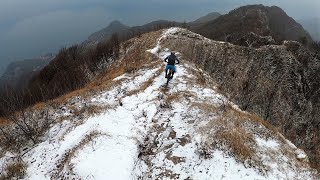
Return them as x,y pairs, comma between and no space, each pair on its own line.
259,19
146,131
279,83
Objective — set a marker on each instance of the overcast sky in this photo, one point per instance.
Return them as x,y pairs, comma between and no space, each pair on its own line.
30,28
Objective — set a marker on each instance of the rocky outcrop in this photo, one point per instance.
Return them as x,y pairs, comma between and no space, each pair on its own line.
251,40
280,83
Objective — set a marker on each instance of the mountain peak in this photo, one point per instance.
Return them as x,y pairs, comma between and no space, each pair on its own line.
209,17
105,33
259,19
115,26
116,23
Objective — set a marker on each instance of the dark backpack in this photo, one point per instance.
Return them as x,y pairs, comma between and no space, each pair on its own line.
172,59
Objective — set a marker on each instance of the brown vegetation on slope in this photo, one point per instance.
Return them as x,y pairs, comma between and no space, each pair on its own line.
30,123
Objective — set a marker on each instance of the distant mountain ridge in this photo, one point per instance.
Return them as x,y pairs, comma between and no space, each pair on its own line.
125,31
18,73
258,19
114,26
206,18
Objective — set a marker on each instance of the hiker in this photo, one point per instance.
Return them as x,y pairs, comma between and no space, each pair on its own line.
171,61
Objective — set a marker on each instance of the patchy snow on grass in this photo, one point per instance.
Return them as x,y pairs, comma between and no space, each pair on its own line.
123,76
152,134
156,49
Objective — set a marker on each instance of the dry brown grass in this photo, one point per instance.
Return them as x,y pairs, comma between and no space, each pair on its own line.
233,133
228,132
14,170
265,123
172,97
91,110
130,62
178,95
149,40
39,105
200,77
132,59
175,159
136,59
256,119
239,141
206,108
3,121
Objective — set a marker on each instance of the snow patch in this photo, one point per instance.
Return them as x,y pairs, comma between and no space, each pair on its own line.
267,143
156,49
123,76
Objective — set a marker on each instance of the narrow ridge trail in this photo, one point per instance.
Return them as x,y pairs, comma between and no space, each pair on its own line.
147,131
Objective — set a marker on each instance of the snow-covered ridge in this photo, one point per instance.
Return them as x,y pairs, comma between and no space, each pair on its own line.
162,133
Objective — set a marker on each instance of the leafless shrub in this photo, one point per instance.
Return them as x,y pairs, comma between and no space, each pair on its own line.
25,126
13,170
89,110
